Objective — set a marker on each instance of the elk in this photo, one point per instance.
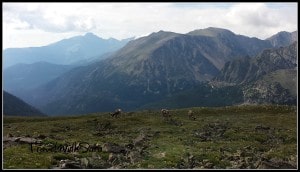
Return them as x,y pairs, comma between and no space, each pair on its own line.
165,113
116,113
191,115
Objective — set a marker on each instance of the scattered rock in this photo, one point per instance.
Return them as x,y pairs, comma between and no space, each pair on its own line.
113,148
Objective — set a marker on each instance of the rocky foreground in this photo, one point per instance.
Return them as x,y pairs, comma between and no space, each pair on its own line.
121,156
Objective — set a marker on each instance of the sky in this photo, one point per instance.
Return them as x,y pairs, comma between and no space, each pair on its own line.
39,24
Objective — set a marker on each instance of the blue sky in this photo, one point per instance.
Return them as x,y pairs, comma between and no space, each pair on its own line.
38,24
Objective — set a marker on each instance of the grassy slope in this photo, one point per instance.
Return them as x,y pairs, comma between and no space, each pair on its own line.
171,145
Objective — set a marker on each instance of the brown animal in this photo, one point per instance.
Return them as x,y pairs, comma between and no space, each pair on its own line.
191,115
116,113
165,113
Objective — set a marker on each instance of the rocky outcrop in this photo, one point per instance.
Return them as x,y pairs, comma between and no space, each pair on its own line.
10,140
250,69
264,92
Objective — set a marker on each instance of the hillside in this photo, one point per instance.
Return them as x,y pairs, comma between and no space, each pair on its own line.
236,137
203,95
13,106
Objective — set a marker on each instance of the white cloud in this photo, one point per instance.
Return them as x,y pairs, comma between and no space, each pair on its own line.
259,20
35,24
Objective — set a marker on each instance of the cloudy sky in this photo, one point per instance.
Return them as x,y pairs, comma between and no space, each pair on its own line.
38,24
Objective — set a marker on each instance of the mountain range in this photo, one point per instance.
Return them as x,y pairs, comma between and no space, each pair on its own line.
205,67
28,68
64,52
270,77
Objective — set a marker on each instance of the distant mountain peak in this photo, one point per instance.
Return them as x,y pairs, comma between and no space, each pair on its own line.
211,31
283,32
283,38
218,29
162,32
90,34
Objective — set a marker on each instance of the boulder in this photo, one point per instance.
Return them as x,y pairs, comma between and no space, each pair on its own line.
29,140
69,164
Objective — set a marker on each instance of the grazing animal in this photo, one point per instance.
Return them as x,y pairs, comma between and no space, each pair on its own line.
116,113
165,113
191,115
